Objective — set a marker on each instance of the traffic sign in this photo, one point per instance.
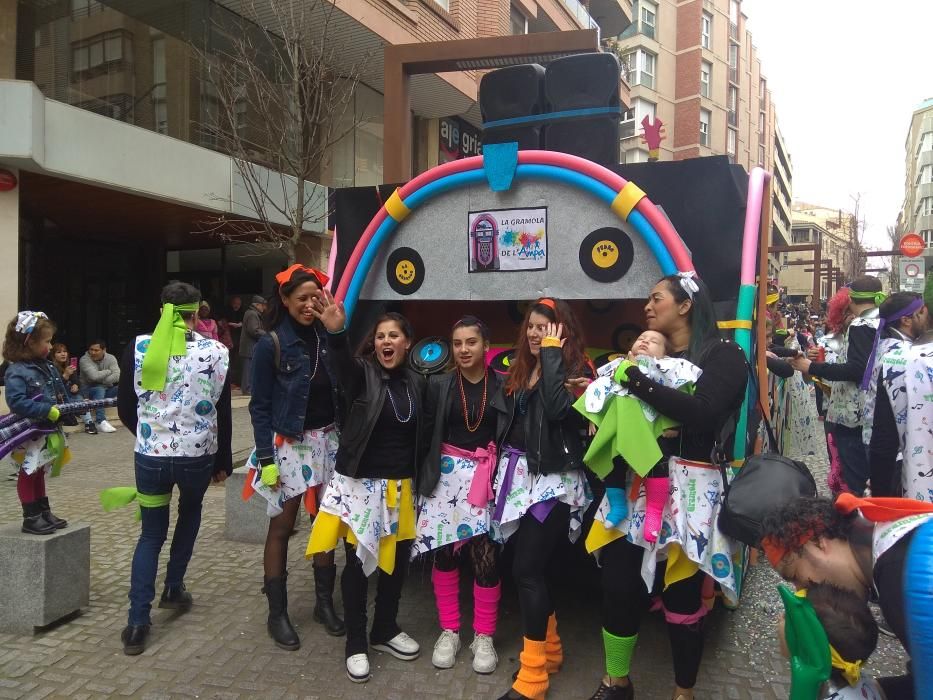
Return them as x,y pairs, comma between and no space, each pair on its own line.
912,245
911,275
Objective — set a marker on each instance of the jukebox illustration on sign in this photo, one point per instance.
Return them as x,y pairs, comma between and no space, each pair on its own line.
484,248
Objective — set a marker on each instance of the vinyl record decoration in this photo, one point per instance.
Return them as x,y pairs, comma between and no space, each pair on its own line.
430,355
502,361
623,337
405,271
606,254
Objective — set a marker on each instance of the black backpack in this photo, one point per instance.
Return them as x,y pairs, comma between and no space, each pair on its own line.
764,482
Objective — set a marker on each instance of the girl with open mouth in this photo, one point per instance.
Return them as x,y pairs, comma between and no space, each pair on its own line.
369,502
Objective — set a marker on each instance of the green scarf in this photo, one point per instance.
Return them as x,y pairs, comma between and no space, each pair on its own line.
121,496
55,442
168,340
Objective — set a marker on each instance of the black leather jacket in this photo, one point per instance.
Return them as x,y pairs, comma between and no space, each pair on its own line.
553,429
437,408
363,385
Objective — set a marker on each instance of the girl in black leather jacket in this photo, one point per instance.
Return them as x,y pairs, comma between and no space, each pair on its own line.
370,499
541,493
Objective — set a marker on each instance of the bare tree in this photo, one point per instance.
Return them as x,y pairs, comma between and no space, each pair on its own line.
282,88
894,277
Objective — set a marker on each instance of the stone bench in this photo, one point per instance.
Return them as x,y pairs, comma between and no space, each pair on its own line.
245,521
43,577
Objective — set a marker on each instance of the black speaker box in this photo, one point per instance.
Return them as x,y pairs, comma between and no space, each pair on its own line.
516,91
584,80
593,138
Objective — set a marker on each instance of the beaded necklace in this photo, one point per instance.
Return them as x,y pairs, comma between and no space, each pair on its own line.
317,352
411,405
482,408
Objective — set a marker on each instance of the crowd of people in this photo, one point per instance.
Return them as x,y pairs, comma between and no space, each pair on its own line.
394,465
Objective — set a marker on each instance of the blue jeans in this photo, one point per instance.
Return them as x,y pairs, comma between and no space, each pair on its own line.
853,454
155,476
96,393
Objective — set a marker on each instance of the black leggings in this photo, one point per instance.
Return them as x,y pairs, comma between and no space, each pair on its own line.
534,545
626,598
354,584
482,553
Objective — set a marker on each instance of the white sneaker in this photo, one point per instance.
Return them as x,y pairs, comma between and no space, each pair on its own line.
358,668
401,646
485,658
445,649
105,427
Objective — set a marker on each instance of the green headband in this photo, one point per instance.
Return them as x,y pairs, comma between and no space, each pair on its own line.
875,297
168,340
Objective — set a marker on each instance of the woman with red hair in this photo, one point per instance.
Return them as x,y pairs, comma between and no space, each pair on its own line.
541,493
838,319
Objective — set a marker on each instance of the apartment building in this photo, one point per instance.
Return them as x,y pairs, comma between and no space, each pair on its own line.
104,105
834,231
693,66
916,214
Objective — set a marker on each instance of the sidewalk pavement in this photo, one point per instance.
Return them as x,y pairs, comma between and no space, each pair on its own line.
220,649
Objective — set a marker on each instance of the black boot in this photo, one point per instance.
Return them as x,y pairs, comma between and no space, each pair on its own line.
324,578
33,522
279,626
176,598
50,517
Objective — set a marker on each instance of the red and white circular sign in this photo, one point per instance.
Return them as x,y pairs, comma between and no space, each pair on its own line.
912,245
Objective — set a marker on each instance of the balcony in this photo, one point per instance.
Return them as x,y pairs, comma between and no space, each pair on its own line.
734,74
580,13
733,31
642,28
614,15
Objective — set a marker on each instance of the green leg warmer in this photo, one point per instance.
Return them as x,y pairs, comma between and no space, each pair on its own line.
619,652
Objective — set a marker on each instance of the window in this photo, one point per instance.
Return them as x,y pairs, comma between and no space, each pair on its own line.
734,63
100,54
444,3
925,208
926,175
706,30
705,118
927,236
627,125
926,142
643,108
731,139
761,122
518,21
706,73
640,68
762,87
648,15
733,105
159,106
761,155
800,235
733,19
83,8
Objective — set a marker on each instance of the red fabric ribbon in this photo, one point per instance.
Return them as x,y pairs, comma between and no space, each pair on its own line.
285,276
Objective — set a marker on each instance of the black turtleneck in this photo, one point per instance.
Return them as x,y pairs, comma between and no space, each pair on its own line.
320,410
390,452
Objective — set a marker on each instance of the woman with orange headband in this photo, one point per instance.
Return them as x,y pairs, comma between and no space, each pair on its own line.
540,490
295,414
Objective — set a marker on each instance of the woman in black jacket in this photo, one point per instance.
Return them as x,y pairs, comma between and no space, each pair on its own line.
541,493
680,307
369,500
455,486
294,409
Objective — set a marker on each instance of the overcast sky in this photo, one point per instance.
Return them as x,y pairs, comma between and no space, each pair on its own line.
846,75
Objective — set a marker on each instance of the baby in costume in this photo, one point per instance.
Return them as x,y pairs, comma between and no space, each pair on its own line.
632,432
828,633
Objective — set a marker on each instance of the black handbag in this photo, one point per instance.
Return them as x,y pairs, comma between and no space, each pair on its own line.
764,482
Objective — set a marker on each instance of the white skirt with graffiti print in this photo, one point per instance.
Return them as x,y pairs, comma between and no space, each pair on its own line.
303,464
527,489
446,516
37,453
689,519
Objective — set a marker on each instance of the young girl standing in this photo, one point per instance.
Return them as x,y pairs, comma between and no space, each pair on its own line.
455,488
33,388
294,411
369,500
541,493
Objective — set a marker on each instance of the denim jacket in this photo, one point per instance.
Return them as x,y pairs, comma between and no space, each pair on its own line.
33,387
280,394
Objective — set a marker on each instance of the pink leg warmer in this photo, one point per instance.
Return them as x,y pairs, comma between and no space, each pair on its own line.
486,608
447,597
656,492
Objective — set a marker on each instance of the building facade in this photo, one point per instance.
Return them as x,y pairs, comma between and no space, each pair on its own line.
105,105
693,66
916,214
834,231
